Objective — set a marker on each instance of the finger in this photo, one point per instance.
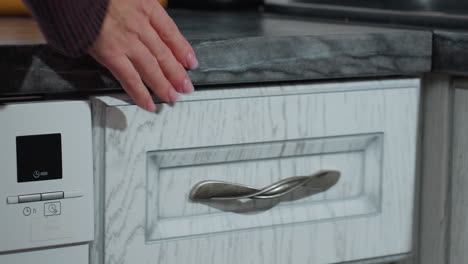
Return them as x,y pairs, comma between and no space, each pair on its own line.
148,67
171,35
126,74
171,68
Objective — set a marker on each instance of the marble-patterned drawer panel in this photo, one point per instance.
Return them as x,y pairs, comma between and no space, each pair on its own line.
172,174
147,163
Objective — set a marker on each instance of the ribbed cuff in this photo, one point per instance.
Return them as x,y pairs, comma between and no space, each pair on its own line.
70,26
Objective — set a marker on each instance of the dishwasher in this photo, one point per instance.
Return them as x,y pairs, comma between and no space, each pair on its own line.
46,189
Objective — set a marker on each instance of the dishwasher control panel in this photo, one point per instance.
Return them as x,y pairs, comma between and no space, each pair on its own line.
37,197
46,176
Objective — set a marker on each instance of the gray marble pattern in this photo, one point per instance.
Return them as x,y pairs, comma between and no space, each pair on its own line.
236,48
451,52
365,129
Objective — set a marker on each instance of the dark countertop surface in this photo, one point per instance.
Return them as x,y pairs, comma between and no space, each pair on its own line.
232,48
450,52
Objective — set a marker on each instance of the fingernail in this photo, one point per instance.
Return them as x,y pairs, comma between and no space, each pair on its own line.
173,95
188,86
192,61
150,106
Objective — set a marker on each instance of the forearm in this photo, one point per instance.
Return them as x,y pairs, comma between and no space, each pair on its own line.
70,26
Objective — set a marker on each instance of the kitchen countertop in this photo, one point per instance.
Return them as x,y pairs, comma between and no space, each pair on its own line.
232,48
450,52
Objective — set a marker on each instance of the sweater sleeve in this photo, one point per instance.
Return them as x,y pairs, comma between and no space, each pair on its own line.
70,26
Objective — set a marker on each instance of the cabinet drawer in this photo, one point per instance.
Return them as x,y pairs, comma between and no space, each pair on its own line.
147,165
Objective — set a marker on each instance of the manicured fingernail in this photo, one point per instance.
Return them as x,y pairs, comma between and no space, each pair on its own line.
150,106
192,61
188,86
173,95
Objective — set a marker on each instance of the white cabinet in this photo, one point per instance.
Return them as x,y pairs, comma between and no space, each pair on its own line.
147,163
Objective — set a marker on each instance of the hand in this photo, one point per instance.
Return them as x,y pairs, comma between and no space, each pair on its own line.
139,43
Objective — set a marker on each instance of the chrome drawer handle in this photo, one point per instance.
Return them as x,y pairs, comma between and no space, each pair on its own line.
218,190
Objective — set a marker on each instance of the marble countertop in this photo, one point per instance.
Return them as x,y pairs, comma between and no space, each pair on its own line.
450,52
232,48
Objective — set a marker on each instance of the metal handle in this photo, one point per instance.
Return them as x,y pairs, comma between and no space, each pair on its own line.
218,190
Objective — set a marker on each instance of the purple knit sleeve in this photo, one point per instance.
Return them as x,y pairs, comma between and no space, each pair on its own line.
70,26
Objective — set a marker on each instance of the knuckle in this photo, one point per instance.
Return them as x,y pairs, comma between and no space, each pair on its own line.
170,31
146,7
132,82
172,27
133,26
164,58
152,68
182,49
174,70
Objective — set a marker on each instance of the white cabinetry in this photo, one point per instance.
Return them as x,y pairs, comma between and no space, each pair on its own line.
147,163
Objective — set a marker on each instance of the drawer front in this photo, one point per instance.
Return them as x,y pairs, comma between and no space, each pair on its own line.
150,163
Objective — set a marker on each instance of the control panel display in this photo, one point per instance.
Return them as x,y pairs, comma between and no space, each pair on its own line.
39,157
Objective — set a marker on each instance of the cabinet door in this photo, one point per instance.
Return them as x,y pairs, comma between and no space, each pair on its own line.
147,164
458,241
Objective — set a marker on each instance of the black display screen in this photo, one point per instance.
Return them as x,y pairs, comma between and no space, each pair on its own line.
39,157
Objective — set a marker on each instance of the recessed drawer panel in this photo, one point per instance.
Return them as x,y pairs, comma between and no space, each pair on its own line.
172,174
154,167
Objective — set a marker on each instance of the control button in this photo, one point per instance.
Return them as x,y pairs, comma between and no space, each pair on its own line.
73,194
12,200
52,196
51,209
29,198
